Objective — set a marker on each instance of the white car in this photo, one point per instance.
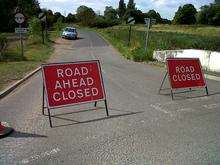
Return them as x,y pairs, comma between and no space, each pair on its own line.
70,33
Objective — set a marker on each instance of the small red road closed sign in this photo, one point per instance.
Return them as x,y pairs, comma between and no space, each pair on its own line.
185,73
73,83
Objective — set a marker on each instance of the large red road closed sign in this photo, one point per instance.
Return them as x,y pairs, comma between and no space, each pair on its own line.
73,83
185,73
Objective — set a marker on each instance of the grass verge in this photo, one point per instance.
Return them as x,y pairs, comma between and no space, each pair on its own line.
15,67
158,40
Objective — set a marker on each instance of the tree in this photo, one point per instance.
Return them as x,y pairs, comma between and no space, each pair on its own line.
202,15
29,7
185,15
85,15
121,8
34,29
131,5
50,17
209,14
8,8
57,15
70,18
217,1
110,13
154,15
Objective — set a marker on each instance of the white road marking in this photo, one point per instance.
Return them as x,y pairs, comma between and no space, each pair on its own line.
186,110
40,156
211,106
158,107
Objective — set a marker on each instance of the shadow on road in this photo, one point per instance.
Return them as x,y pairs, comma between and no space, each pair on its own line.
18,134
78,111
93,120
182,95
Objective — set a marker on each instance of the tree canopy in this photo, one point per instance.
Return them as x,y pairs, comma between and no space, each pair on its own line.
8,9
85,15
110,13
209,14
121,8
185,15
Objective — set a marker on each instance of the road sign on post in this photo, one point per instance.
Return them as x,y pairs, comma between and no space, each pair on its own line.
42,17
131,21
21,30
73,83
153,21
185,73
43,20
19,18
147,23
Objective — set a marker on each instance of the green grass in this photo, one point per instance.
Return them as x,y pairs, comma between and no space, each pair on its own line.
200,30
166,38
14,66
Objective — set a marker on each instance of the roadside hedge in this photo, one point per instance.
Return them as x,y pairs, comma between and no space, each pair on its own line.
3,44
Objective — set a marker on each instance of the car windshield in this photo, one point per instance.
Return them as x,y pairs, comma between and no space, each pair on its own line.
70,30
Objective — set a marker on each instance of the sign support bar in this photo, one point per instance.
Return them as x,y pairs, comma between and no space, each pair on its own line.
22,45
161,86
43,100
129,36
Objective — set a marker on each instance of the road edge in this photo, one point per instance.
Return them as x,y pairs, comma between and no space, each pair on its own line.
11,88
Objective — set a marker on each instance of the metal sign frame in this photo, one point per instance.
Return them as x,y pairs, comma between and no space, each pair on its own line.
169,78
48,107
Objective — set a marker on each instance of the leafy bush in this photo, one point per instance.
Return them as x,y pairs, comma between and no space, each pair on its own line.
3,43
102,22
34,27
59,24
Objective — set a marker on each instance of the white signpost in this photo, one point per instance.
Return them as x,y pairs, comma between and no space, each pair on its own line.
148,23
43,19
131,21
19,18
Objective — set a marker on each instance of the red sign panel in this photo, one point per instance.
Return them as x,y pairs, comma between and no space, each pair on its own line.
73,83
185,73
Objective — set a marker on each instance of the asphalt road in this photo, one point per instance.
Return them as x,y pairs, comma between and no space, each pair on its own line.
143,128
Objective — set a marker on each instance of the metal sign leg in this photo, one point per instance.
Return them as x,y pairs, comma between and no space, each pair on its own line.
49,117
95,104
164,78
106,107
171,93
43,100
207,91
129,37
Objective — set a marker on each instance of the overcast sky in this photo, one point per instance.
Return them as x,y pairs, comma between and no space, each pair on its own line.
166,8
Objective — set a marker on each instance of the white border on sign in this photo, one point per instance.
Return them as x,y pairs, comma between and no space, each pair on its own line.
170,59
76,62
